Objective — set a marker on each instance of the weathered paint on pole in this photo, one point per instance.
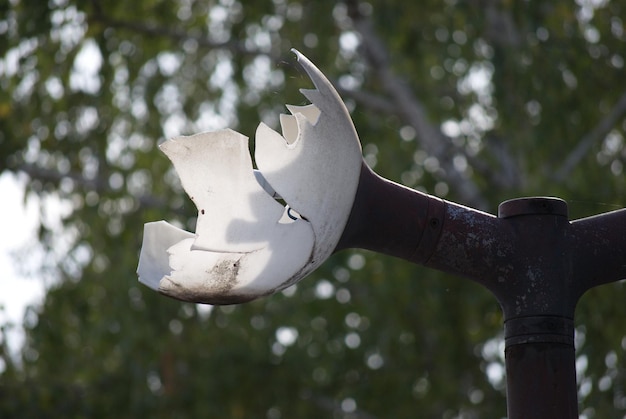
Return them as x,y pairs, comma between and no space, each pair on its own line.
534,260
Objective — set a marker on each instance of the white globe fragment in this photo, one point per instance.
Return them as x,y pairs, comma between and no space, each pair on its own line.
316,167
240,232
247,244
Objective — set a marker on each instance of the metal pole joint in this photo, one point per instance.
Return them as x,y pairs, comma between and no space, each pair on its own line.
539,329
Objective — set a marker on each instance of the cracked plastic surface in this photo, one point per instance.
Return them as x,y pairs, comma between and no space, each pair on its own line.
246,243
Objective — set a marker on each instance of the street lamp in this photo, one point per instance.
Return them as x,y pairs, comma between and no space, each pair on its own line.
247,244
535,261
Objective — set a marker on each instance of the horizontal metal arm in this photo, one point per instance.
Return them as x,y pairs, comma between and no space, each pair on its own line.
531,257
599,247
392,219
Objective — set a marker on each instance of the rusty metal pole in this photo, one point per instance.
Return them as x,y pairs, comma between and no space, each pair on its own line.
531,257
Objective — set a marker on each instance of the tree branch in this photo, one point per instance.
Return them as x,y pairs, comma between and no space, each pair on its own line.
598,133
96,185
178,35
500,27
411,110
370,101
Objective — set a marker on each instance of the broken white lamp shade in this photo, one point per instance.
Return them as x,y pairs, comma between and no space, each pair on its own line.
247,244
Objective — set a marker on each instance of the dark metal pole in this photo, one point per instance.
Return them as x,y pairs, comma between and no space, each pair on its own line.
531,257
541,381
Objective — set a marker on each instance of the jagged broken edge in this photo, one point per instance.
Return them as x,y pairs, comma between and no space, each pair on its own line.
323,87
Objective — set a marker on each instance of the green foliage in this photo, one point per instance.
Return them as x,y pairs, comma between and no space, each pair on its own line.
87,90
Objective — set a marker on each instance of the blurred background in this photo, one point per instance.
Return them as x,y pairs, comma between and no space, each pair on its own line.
475,101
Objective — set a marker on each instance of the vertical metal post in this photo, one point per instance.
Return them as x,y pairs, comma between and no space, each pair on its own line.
541,381
539,336
531,257
524,259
